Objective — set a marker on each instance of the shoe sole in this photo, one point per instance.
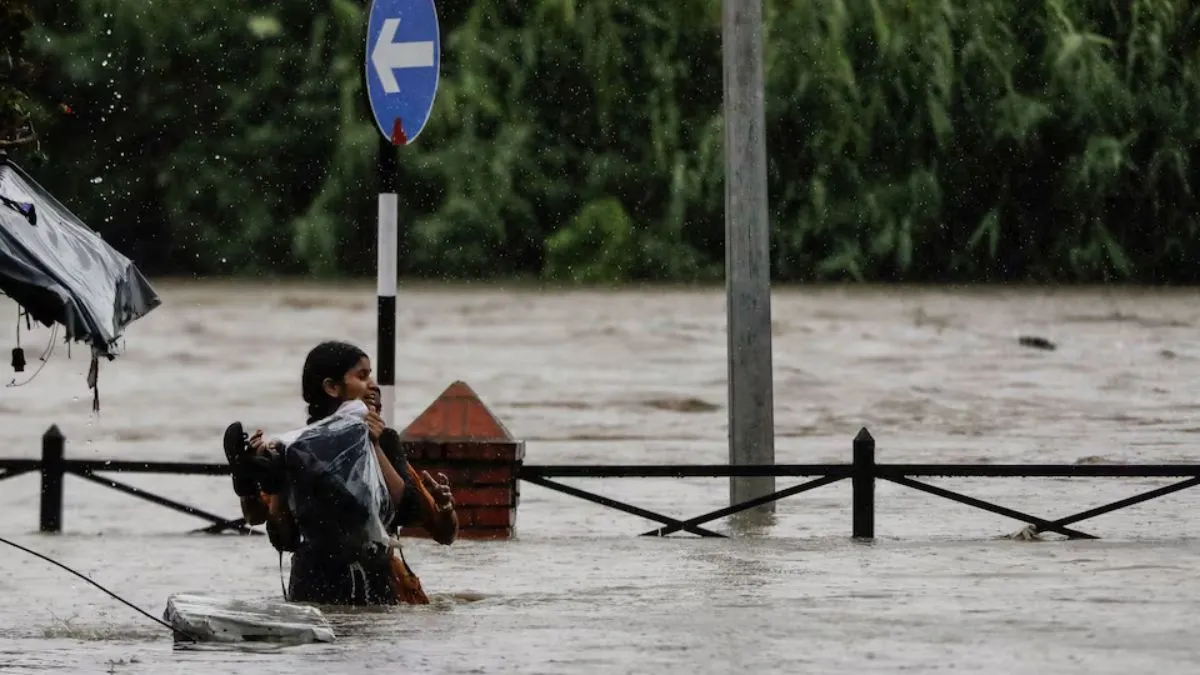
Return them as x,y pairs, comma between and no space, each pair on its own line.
234,441
234,444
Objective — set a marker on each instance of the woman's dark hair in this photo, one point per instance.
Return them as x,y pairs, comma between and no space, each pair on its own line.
327,360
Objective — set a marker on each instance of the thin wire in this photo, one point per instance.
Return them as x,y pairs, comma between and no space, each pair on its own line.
45,357
110,593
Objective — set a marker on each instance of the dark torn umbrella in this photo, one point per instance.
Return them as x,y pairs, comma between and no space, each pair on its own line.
60,271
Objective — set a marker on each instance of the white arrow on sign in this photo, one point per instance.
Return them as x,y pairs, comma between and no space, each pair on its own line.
389,55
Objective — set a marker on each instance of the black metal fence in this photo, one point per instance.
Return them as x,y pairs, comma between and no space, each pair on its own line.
863,472
54,466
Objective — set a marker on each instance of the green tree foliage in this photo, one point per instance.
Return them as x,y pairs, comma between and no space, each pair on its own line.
908,140
18,111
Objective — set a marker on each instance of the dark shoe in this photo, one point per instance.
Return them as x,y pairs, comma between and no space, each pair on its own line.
236,451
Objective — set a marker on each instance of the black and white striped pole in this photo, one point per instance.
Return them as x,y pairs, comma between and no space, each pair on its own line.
385,293
402,68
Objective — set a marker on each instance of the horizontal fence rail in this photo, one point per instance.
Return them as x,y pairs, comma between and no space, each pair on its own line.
884,471
681,470
862,471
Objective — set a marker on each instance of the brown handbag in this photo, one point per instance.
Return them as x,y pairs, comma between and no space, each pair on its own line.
405,584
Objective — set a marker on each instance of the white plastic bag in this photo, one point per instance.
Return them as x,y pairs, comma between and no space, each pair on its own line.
336,489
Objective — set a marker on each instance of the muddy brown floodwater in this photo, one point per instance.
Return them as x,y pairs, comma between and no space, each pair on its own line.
639,376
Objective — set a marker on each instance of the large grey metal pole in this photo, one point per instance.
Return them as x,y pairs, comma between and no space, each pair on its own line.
747,251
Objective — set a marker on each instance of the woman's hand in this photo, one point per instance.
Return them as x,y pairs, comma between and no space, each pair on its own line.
266,457
374,424
257,443
439,518
443,498
261,446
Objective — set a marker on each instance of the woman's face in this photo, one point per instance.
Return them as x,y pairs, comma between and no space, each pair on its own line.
356,385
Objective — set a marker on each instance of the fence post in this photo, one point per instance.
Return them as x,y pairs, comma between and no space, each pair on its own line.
863,482
53,446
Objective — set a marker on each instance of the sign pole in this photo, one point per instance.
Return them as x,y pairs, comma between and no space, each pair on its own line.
402,66
386,273
747,251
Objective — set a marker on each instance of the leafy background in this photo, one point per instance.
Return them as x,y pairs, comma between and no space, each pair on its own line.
922,140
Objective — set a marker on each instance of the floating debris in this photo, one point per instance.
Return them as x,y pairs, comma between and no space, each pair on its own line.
1027,533
1035,342
214,619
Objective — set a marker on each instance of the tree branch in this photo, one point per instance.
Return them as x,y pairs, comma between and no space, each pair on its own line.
19,140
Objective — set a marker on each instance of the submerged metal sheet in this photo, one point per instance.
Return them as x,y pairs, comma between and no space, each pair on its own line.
216,619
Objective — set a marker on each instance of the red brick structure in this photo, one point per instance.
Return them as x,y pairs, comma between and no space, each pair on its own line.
457,435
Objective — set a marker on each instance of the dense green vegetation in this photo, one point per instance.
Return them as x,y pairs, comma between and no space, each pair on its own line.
18,113
930,140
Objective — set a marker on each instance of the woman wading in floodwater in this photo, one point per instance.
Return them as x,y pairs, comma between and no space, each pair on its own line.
336,373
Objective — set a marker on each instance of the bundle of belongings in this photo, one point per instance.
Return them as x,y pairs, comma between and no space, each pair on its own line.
336,493
336,490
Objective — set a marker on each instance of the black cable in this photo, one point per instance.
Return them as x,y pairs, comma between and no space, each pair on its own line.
85,578
45,357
